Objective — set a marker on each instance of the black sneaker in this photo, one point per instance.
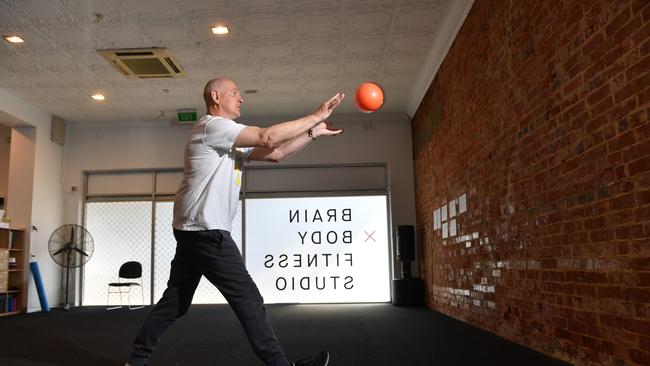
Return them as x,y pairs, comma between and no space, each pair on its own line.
321,359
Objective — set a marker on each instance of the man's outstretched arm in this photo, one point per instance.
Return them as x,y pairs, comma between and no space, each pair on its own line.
294,145
277,134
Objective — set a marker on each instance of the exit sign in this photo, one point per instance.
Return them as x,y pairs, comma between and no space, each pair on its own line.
187,115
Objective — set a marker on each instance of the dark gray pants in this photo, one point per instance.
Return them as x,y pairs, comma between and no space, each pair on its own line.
213,254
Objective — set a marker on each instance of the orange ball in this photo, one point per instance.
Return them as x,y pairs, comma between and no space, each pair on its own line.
369,97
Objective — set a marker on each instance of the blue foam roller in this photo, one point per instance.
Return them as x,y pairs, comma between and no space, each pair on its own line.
39,287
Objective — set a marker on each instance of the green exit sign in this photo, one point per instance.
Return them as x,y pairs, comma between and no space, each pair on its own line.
186,115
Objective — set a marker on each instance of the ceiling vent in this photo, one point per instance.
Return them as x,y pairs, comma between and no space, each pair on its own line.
144,63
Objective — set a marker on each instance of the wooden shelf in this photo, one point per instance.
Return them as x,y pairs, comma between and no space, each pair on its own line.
14,243
11,313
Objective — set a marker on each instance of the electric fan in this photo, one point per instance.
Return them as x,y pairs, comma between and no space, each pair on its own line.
70,246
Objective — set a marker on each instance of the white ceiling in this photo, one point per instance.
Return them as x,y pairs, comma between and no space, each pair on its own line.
296,53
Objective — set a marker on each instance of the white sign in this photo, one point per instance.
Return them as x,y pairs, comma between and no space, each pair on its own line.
319,250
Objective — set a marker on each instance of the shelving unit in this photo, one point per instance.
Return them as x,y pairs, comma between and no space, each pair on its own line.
13,277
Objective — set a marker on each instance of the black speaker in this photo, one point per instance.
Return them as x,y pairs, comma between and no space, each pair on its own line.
408,292
406,242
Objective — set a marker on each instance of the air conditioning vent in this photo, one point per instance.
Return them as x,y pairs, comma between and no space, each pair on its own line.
144,63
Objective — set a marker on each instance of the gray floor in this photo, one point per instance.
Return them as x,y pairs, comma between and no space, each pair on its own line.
375,334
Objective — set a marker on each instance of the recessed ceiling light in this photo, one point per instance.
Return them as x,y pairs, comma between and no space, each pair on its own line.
13,39
220,30
98,97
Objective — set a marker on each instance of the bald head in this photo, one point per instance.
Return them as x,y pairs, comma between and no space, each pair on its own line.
222,98
216,84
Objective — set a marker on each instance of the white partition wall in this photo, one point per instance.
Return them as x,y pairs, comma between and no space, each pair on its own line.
121,232
326,240
319,249
319,233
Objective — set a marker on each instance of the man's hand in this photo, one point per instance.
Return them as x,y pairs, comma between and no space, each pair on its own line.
326,108
325,129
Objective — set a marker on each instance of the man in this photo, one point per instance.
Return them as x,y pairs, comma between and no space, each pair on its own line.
205,206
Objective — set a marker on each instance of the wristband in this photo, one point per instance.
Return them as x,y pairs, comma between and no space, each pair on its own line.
310,133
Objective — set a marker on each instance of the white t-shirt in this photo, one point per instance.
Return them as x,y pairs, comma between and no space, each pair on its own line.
208,195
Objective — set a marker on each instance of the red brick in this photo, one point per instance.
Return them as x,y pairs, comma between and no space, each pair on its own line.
609,320
615,349
595,223
644,278
578,163
595,277
639,166
629,232
637,150
643,133
599,94
601,235
640,357
622,141
620,217
584,290
645,49
643,197
597,331
644,342
590,342
642,214
638,5
640,264
637,70
609,292
646,14
602,106
623,35
632,88
637,325
636,294
644,97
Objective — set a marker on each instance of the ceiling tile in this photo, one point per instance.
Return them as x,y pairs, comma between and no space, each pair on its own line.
90,7
404,43
318,23
202,4
39,9
267,26
369,21
72,36
166,32
146,6
120,33
279,50
321,48
56,60
326,68
365,45
292,51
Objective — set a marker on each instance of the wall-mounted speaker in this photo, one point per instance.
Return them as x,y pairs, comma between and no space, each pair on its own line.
57,132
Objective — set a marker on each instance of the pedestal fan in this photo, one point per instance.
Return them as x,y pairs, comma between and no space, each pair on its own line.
70,246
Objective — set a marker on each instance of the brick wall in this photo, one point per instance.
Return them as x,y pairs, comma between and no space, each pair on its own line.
532,164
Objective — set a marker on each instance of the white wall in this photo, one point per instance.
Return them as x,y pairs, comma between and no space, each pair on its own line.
21,176
5,136
47,197
366,139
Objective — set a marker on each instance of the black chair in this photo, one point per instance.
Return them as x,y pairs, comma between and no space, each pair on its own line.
128,271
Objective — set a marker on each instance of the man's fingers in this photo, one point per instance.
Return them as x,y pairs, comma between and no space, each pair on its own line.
335,100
